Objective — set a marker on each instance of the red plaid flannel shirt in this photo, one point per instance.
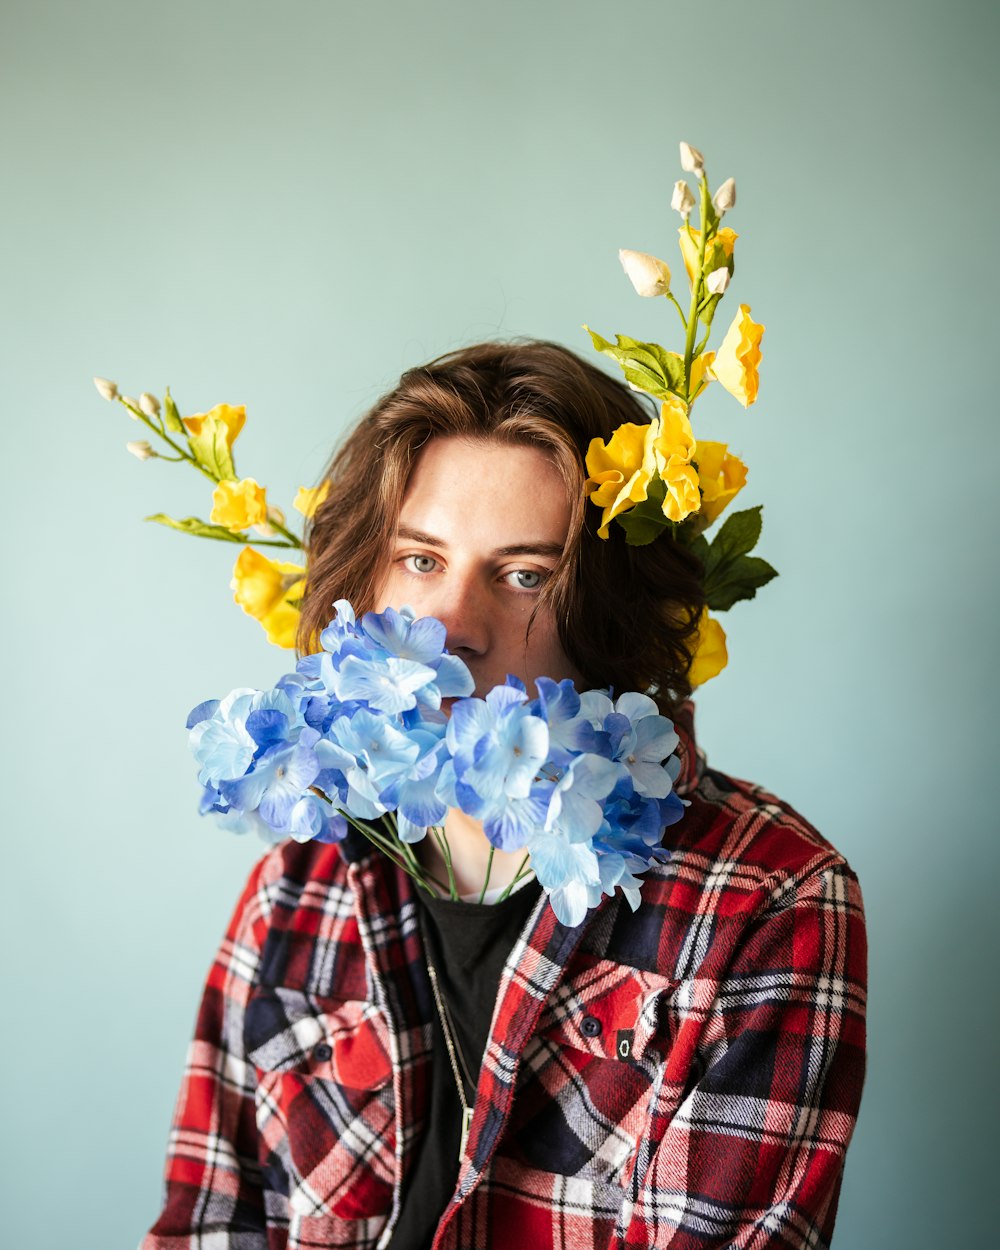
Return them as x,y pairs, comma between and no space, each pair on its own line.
687,1075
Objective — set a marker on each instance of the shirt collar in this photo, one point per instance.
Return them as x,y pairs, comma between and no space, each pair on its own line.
691,756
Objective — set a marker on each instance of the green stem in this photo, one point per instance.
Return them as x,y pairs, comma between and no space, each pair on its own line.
522,872
692,323
392,850
442,842
268,542
489,869
141,416
680,311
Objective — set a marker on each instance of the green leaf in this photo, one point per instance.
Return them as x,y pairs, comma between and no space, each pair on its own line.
211,449
645,521
707,311
712,219
740,532
739,579
647,366
731,574
171,417
199,528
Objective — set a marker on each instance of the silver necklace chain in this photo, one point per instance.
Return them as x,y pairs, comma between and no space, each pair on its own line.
454,1048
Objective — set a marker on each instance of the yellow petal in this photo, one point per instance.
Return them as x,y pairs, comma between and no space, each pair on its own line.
281,625
309,498
262,584
691,243
721,477
682,497
710,655
737,361
700,371
238,505
675,441
621,470
232,416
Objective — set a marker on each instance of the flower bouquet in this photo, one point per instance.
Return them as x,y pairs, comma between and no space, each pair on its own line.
357,737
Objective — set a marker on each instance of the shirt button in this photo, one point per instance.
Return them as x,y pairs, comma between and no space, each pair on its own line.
590,1026
322,1053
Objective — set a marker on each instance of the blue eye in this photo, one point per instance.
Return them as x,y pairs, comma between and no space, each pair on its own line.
423,564
527,579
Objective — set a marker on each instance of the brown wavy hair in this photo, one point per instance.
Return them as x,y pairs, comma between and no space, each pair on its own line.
626,616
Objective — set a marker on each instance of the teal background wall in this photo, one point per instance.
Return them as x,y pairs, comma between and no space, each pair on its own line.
284,206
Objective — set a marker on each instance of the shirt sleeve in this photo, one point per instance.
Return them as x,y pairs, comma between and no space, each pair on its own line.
213,1194
752,1153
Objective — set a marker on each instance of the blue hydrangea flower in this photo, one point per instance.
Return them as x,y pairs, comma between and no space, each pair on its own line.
582,782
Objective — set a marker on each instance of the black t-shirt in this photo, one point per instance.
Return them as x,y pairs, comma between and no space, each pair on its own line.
468,944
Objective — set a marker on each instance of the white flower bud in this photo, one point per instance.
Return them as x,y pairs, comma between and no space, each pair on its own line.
692,161
149,404
106,389
717,280
649,275
132,403
682,201
725,197
141,450
273,514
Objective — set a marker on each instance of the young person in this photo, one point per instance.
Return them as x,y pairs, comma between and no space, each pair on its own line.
373,1067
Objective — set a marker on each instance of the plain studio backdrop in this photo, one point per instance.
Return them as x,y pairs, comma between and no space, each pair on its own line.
284,206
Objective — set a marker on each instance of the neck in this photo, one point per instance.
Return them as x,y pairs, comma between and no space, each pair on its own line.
470,856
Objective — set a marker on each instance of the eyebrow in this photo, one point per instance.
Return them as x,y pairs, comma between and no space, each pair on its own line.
409,534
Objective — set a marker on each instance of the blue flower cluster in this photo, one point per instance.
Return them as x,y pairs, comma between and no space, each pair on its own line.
582,784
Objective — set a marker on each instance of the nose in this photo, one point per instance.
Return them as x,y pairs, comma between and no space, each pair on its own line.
464,609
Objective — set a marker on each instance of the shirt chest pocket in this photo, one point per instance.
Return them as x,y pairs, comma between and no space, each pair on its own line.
325,1107
587,1075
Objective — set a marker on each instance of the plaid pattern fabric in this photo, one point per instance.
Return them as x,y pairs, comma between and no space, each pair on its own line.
687,1075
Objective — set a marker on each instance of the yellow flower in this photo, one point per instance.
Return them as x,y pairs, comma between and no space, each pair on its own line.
722,477
309,498
282,624
690,245
674,447
710,655
238,505
737,361
263,585
700,372
621,470
231,417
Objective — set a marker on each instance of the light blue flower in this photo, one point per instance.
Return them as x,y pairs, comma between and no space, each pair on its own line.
498,743
388,685
220,742
568,871
278,780
371,753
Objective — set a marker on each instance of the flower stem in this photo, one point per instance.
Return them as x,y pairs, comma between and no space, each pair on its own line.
141,416
518,876
680,311
489,869
442,842
393,851
692,323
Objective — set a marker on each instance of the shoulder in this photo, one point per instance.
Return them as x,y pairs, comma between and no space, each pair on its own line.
736,826
739,857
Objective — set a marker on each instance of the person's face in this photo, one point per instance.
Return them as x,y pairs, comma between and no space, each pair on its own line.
481,529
